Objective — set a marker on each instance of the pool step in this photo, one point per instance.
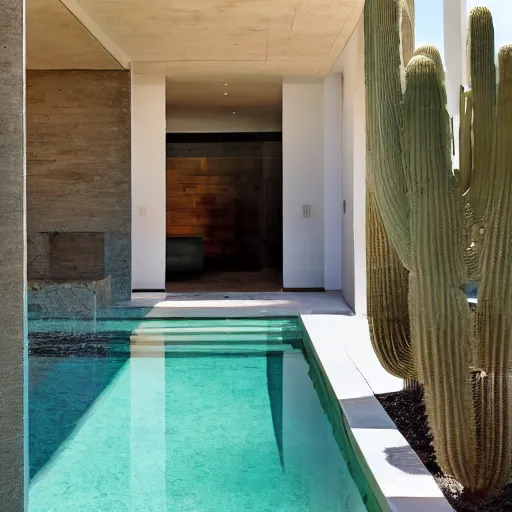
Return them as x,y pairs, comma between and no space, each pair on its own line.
171,338
150,329
215,348
174,325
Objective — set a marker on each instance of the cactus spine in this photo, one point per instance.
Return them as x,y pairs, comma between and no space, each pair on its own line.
463,362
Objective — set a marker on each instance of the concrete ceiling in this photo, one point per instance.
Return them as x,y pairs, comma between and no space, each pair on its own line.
57,40
232,92
250,43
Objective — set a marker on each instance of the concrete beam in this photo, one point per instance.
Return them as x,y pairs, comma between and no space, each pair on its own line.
13,455
97,32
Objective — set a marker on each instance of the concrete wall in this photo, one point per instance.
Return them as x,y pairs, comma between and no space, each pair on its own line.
353,137
455,32
303,184
78,166
148,182
13,397
223,120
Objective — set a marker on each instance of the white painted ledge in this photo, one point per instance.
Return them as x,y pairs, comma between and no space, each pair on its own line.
343,348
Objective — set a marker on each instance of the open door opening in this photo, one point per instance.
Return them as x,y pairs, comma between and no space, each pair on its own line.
224,212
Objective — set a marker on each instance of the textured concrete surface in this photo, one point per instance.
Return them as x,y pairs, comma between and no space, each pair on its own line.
12,241
79,299
79,165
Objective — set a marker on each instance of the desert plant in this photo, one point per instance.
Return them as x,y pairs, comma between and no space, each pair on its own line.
387,278
435,219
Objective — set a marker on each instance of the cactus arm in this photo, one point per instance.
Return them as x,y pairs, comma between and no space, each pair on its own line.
494,310
387,278
433,54
440,317
387,289
483,82
382,69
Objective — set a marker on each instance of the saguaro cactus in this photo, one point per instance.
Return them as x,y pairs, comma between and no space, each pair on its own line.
493,323
440,317
483,85
387,278
435,220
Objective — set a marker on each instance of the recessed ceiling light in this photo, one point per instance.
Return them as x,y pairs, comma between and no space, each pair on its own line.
222,79
225,94
225,85
234,113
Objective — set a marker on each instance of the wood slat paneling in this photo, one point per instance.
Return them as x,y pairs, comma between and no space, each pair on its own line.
231,199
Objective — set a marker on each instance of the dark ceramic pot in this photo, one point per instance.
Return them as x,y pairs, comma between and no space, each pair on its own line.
184,256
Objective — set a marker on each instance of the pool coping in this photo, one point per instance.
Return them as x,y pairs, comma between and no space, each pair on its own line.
400,480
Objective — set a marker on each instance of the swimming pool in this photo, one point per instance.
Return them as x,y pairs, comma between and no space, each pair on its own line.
181,416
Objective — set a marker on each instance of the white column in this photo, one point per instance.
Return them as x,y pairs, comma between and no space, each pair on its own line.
148,182
303,185
332,182
455,62
359,191
353,165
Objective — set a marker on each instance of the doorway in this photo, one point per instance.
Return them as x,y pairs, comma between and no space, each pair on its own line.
224,212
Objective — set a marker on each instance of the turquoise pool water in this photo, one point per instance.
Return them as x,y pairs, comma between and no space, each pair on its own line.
179,416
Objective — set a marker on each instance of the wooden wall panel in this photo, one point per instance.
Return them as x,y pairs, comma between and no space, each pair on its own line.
221,197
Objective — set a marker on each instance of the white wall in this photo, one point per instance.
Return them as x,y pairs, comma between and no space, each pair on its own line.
148,182
189,120
332,183
455,62
353,142
303,184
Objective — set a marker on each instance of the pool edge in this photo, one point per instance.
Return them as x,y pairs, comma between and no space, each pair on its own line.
396,476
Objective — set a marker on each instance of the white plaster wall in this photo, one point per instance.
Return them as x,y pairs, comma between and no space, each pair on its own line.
353,155
303,184
223,120
332,183
455,23
148,182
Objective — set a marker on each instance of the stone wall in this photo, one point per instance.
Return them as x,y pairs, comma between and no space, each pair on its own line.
80,299
79,177
13,472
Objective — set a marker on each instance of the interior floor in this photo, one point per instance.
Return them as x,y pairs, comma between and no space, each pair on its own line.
222,281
